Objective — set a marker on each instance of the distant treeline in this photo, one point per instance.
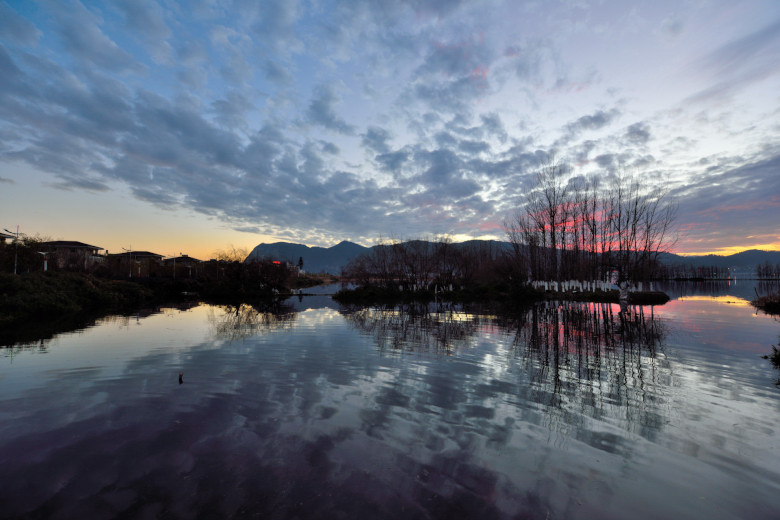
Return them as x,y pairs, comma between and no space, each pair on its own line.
768,271
420,264
682,271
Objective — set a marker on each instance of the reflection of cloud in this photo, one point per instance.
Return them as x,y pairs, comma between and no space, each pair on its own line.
473,415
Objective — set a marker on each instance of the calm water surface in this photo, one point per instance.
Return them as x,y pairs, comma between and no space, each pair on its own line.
315,411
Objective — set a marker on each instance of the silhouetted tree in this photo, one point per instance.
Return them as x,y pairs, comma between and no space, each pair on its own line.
573,228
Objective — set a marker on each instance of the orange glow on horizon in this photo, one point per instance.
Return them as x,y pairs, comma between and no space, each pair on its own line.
731,250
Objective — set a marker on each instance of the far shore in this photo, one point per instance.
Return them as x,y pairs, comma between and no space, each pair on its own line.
58,301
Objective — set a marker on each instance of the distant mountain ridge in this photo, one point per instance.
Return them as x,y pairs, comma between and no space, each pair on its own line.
332,259
743,261
315,259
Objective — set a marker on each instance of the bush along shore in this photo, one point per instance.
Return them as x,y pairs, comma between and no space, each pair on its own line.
57,301
770,304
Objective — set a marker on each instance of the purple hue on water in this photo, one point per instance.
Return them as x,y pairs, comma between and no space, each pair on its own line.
563,411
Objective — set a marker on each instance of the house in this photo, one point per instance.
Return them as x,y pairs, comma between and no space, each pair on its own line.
71,246
138,255
135,263
72,255
183,265
4,237
182,260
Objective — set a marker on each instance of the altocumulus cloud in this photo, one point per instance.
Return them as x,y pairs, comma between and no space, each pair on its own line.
315,121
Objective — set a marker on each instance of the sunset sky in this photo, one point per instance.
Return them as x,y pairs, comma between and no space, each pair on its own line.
194,126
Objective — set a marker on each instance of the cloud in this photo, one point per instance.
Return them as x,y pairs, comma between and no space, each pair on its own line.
587,123
11,77
376,139
734,199
638,133
81,183
742,52
16,29
739,63
231,111
80,33
146,19
393,161
322,111
274,24
303,119
493,126
278,73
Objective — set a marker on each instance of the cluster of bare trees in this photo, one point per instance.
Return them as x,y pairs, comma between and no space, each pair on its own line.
768,271
682,271
572,228
418,264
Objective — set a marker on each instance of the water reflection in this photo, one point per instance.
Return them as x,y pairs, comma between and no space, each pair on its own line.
596,360
240,322
433,328
36,335
565,410
745,289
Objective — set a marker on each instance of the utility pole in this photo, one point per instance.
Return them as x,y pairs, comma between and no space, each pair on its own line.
16,245
130,257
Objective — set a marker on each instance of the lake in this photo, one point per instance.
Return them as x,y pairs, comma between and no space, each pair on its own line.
312,410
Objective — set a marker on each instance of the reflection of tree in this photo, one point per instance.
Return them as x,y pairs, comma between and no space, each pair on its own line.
33,335
594,360
244,321
580,359
774,358
40,346
592,373
436,328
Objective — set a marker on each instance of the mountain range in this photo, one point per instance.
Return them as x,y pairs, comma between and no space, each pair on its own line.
332,259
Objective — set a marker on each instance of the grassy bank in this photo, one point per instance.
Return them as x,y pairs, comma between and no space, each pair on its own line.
769,304
40,304
52,295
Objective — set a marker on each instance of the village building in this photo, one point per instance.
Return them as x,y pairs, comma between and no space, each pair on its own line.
136,264
183,265
71,254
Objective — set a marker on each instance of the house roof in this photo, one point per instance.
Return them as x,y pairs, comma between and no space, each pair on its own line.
137,254
70,243
182,258
5,235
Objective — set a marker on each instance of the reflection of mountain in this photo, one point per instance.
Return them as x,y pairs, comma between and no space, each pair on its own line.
744,289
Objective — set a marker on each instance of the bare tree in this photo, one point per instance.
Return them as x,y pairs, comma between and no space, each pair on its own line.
231,254
579,230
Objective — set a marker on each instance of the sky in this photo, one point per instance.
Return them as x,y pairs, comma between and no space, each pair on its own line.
197,126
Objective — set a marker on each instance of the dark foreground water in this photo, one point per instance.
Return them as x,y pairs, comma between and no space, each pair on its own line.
313,411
